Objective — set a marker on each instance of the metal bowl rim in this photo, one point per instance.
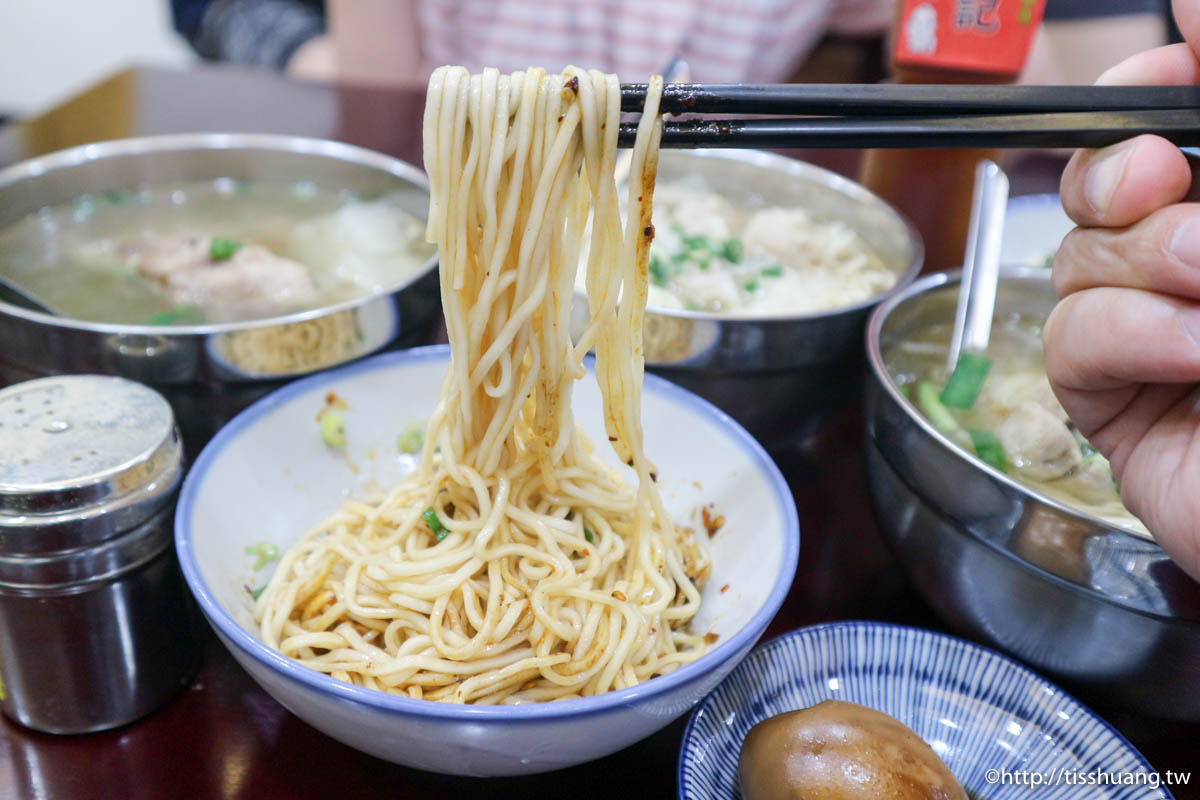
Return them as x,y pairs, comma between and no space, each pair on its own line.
838,183
184,142
879,368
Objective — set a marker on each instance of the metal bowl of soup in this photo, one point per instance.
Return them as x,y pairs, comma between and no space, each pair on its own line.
211,266
1049,571
760,284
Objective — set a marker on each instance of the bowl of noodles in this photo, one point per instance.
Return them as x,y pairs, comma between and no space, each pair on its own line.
500,556
762,272
269,477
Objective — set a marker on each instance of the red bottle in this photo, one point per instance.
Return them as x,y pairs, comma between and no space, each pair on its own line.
948,41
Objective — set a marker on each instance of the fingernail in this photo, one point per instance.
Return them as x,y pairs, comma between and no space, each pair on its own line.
1185,243
1103,177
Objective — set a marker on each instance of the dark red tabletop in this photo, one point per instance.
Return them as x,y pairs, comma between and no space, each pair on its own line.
224,737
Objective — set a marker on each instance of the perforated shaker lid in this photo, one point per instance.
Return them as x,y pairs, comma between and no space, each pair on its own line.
82,457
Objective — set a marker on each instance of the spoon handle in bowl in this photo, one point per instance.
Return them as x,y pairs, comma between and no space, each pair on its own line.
981,263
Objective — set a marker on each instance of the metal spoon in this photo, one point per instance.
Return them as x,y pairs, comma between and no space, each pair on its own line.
981,264
11,292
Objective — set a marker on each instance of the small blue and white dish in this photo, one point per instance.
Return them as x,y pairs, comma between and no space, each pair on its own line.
995,723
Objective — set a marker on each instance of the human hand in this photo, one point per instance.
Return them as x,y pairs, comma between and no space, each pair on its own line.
315,60
1123,345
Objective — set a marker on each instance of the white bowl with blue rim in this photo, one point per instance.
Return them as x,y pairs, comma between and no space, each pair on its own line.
268,477
999,727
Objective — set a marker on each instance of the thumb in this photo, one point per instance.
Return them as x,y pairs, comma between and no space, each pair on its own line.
1173,65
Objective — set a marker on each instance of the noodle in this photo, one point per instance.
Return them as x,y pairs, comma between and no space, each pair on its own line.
512,565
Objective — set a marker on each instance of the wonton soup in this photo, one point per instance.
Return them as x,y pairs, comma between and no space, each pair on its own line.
214,251
1015,424
711,254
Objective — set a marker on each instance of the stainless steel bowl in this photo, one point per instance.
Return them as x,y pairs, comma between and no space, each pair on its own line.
210,372
1064,590
776,375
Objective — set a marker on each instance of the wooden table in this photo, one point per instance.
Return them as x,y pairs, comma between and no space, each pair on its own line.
226,738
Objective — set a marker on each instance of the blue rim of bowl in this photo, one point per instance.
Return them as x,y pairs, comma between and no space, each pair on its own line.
276,661
907,630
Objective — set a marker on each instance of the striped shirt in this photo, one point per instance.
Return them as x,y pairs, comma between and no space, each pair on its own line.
723,41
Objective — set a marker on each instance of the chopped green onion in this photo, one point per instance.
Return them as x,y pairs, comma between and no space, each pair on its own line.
264,553
587,534
962,389
731,250
1086,449
692,306
697,242
179,315
222,248
905,390
658,272
988,448
116,198
931,406
751,286
84,207
257,593
333,429
431,519
772,272
410,441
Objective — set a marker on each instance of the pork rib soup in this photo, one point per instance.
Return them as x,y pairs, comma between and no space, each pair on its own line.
214,251
1002,410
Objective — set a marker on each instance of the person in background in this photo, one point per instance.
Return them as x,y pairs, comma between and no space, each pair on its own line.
1123,344
399,42
275,34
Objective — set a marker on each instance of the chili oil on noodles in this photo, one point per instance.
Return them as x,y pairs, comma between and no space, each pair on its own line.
512,565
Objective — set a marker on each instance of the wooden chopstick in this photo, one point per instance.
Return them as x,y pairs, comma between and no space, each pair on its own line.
906,100
1071,129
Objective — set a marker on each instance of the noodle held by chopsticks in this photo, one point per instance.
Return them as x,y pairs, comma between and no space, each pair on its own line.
512,565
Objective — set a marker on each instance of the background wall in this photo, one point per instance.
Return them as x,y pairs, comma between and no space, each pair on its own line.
50,49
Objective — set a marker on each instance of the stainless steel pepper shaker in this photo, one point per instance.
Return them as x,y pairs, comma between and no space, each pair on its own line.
96,627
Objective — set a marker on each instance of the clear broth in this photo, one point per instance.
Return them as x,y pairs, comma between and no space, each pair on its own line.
66,254
1018,368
